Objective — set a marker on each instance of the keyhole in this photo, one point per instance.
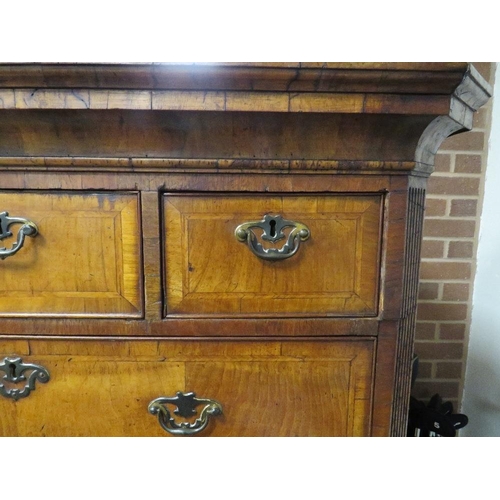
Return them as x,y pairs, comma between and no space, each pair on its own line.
12,370
272,231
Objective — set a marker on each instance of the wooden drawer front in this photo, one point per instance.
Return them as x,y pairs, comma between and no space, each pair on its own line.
334,273
313,388
85,261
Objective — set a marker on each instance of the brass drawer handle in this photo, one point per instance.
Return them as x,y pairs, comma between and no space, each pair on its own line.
186,404
272,226
28,228
15,372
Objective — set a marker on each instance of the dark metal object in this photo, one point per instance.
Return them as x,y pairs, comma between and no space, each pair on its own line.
28,228
272,227
186,404
15,371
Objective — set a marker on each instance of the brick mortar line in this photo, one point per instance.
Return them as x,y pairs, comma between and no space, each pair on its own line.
444,280
437,196
444,259
451,196
460,151
443,302
440,291
455,281
454,175
448,282
468,218
431,282
452,260
451,218
446,380
436,321
456,260
451,238
446,361
446,247
448,238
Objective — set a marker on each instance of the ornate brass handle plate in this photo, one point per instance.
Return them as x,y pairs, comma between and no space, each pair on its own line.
272,227
186,404
15,372
28,228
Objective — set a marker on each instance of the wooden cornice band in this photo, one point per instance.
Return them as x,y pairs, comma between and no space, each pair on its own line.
407,78
435,99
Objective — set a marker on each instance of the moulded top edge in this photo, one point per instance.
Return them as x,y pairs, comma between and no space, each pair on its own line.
356,77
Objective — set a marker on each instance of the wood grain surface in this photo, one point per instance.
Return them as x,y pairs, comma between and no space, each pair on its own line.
211,134
136,288
335,272
426,78
85,261
103,388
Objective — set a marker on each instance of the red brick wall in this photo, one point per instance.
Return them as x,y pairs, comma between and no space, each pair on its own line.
451,228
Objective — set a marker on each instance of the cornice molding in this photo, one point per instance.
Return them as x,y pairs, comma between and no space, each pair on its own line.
405,78
430,101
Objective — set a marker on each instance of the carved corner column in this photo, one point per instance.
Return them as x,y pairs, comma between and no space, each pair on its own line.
472,93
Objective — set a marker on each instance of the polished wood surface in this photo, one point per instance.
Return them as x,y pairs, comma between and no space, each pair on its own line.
426,78
335,272
313,388
203,100
85,261
138,174
212,134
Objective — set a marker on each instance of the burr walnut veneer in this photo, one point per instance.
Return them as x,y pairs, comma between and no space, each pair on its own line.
249,233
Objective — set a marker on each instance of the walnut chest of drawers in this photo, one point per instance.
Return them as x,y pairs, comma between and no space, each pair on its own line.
221,250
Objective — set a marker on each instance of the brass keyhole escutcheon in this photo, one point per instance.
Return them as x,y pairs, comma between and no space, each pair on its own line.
186,404
18,372
272,230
